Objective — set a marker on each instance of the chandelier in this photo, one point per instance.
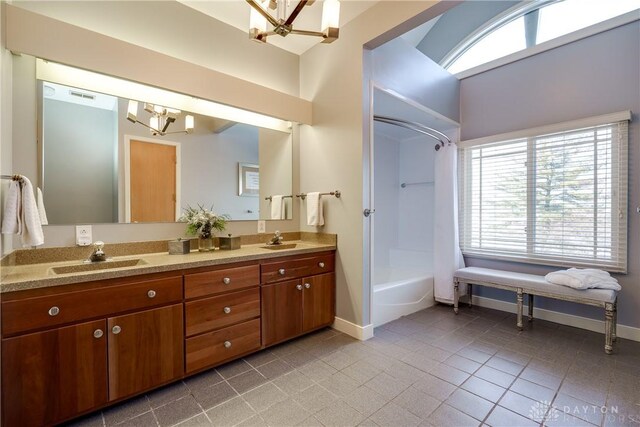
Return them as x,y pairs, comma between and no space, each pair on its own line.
161,118
262,12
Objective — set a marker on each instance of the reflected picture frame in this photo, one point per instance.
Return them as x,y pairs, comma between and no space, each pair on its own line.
248,180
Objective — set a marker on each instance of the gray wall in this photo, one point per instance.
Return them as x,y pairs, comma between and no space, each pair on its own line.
79,153
593,76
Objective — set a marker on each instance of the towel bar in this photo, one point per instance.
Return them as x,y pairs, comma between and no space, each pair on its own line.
336,193
284,197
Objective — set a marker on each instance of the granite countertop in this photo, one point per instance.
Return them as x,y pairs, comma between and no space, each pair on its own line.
32,276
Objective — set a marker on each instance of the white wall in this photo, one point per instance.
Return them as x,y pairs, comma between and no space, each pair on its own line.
386,220
276,154
416,202
181,32
589,77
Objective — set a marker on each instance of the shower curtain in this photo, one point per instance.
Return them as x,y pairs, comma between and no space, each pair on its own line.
447,254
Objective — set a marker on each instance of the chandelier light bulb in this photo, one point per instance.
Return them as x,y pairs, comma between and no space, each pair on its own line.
330,14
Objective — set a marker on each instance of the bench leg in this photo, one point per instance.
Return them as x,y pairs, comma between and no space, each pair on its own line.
530,308
519,304
470,293
614,335
609,309
456,295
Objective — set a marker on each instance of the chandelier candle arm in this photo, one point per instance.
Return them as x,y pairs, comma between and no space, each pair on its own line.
283,25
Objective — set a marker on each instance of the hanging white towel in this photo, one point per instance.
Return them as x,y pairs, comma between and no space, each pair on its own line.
583,278
12,216
314,209
41,210
32,234
277,207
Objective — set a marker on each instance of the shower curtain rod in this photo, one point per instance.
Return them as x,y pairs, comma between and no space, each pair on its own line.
417,127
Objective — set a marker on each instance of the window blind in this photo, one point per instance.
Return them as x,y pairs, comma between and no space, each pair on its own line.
554,199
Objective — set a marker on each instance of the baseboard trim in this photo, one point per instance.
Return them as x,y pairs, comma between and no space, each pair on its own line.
362,333
623,331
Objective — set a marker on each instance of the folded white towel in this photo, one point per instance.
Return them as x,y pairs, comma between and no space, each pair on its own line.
41,210
32,234
583,278
277,207
12,217
314,209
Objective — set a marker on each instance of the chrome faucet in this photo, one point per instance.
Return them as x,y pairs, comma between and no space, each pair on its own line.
276,239
98,254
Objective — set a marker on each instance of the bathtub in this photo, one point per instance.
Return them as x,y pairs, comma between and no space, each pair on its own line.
403,287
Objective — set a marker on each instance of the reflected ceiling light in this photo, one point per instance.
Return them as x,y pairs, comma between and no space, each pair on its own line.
282,22
161,118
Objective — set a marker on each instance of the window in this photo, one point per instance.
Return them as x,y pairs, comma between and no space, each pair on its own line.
511,32
557,198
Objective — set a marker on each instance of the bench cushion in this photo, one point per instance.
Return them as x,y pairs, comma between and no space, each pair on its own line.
533,283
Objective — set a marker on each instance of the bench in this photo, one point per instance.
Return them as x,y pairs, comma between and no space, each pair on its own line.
531,285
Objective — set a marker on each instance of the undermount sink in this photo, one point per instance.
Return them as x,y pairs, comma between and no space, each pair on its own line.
95,266
282,246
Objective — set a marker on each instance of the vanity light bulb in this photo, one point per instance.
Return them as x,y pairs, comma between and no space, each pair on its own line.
189,123
330,14
132,111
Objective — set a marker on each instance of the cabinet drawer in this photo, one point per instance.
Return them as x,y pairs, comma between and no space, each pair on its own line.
216,312
51,310
215,347
291,269
215,282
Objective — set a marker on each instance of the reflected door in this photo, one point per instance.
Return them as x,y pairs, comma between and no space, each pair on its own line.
153,181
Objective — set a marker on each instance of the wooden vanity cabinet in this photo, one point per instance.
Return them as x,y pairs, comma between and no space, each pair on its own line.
294,307
57,372
53,375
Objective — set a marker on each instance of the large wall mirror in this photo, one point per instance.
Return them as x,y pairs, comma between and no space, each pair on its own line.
114,151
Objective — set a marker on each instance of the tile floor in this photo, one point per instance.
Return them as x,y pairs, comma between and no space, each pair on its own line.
431,368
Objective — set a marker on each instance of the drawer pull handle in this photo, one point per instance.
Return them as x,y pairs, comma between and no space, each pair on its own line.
116,330
321,264
226,280
299,287
307,285
98,333
54,311
227,344
151,293
227,310
281,272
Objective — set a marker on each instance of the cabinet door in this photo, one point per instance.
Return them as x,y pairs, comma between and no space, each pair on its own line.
319,301
281,311
50,376
146,349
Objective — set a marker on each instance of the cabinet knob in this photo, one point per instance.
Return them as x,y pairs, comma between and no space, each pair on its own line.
116,330
226,280
227,344
227,310
321,264
54,311
299,287
307,285
281,272
98,333
151,293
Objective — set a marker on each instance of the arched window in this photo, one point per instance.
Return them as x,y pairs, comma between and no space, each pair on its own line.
530,25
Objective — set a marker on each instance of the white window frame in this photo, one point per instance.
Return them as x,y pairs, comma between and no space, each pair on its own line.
619,226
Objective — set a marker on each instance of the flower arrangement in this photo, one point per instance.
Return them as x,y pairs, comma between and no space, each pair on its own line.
202,222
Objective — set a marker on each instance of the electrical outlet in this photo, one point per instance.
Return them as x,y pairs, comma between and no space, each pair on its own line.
83,235
262,227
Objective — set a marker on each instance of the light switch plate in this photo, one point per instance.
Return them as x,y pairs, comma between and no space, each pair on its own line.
262,227
83,235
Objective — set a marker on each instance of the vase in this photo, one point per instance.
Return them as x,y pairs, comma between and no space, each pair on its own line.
205,244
